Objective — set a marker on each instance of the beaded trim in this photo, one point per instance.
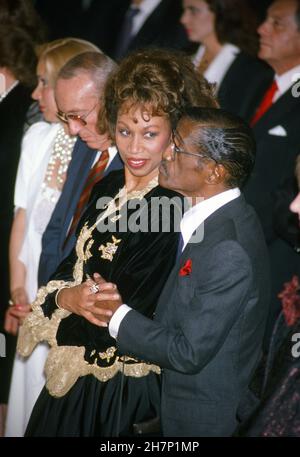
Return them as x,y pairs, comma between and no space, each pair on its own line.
65,364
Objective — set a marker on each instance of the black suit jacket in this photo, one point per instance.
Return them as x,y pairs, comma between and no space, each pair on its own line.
241,82
13,111
161,29
275,161
208,326
54,248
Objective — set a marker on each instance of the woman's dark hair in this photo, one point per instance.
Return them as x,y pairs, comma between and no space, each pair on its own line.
164,82
236,23
21,13
17,54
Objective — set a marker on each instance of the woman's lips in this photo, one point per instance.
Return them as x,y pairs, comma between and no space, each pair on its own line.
136,163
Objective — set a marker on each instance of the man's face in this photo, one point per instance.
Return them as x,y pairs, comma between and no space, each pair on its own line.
186,174
280,36
78,96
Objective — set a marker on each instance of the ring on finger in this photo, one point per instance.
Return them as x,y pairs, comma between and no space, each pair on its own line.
94,289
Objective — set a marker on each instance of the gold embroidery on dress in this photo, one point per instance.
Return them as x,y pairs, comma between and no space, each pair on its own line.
65,364
88,254
108,354
109,250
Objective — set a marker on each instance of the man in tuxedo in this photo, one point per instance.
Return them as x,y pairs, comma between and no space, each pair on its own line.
78,93
127,25
274,115
209,323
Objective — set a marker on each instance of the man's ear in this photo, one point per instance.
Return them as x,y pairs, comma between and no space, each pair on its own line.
216,174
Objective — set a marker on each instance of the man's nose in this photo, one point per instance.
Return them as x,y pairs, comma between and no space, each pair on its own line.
263,29
74,127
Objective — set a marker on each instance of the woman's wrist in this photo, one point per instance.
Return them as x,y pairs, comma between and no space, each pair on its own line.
59,305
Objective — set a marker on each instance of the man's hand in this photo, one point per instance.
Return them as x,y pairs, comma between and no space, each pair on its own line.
81,300
108,300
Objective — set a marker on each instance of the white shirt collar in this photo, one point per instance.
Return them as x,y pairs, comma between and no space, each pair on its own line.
286,80
112,151
196,215
4,94
221,63
146,8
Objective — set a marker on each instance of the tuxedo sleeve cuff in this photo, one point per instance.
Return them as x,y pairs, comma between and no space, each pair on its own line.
116,320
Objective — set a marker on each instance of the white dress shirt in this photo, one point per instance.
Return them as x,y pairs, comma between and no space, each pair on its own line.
145,9
112,151
219,66
191,220
285,81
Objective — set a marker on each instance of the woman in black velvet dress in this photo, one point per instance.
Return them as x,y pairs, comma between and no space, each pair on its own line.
92,389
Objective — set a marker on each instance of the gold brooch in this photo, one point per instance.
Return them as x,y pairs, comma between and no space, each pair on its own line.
110,249
108,354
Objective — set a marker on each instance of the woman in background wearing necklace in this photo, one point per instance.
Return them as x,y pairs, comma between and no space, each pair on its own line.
225,31
46,153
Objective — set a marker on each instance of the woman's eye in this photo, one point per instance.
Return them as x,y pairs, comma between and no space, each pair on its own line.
150,134
124,132
43,82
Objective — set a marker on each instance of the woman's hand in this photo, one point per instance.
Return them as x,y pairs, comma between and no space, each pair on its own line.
16,313
80,300
11,323
19,296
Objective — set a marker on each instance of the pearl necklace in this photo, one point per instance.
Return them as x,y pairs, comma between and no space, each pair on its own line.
62,154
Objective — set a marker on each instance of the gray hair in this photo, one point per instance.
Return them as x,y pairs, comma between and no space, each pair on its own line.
226,139
96,65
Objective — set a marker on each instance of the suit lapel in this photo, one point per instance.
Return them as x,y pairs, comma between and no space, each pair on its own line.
150,28
211,228
79,168
278,111
116,164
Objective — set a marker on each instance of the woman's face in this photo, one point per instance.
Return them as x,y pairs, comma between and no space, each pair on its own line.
44,94
198,20
295,205
141,140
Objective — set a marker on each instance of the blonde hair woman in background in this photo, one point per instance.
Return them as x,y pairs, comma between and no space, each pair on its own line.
46,153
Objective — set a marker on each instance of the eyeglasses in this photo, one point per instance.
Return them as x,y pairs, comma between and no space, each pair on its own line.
81,119
178,150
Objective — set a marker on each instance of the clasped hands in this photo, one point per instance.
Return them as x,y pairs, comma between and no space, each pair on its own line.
96,307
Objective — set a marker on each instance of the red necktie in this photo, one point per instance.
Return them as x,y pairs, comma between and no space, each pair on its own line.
265,104
95,174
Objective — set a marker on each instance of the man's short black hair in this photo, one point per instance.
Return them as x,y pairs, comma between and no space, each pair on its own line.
226,139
